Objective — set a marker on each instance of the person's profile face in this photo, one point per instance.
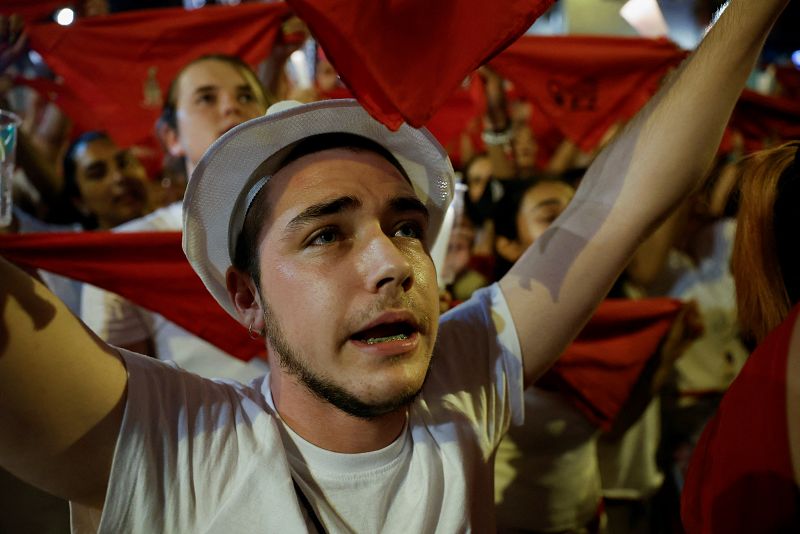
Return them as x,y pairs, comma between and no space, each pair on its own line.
540,206
111,182
212,97
346,277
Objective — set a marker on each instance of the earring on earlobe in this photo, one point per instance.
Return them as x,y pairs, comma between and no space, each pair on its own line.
254,335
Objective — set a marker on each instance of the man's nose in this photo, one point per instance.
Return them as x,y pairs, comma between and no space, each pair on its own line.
385,267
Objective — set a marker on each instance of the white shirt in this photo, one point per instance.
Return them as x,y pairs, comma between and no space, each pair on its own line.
197,455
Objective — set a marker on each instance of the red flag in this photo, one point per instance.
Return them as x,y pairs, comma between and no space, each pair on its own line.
121,65
599,369
402,59
150,269
585,84
461,113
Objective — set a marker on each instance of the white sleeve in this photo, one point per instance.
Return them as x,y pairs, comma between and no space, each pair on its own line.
115,319
192,455
477,367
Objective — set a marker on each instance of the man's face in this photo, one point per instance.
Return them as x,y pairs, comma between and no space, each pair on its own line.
211,98
111,181
348,285
540,206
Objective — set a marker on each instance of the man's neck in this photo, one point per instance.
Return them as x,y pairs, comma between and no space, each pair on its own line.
326,426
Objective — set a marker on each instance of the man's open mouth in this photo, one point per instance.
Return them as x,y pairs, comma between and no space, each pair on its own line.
385,333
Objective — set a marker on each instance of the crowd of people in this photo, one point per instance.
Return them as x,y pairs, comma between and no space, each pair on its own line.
388,401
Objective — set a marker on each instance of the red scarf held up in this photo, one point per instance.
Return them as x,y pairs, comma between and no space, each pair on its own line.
32,10
120,66
403,59
599,369
585,84
149,269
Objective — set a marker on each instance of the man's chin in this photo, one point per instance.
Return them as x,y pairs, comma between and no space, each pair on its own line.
355,406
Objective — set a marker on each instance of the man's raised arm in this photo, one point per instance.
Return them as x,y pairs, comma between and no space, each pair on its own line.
633,184
61,393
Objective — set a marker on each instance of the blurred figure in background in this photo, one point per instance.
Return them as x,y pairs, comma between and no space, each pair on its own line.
744,475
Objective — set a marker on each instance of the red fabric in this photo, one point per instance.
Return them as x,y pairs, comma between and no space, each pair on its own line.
740,476
599,369
765,120
62,96
147,268
402,59
585,84
32,10
108,60
462,112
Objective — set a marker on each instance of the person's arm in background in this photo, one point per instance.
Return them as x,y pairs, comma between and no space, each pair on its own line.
650,259
632,186
497,126
62,393
43,133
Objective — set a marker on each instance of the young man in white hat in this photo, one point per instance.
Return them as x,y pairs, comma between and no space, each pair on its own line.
375,416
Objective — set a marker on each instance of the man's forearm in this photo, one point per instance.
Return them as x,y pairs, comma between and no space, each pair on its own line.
669,146
632,186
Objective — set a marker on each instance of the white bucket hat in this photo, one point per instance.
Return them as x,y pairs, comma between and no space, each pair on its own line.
237,165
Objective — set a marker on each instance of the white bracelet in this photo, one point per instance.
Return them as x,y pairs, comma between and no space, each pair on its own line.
496,138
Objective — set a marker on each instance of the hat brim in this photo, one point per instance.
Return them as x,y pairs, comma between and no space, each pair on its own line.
217,195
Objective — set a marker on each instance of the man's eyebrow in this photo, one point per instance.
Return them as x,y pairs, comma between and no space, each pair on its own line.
547,202
322,209
409,203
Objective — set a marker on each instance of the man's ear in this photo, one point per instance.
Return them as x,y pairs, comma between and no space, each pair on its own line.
244,295
509,249
169,136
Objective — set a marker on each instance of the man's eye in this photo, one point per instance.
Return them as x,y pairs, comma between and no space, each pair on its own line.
409,230
325,237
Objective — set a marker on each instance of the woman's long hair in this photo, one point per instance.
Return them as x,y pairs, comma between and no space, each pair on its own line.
764,261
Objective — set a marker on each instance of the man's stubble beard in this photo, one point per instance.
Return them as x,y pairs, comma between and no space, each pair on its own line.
324,387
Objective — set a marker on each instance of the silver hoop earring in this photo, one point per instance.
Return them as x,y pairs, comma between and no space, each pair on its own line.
254,335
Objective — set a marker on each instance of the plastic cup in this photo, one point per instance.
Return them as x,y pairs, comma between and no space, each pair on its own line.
9,122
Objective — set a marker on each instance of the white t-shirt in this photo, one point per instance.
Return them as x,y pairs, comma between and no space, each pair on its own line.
546,473
120,322
196,455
